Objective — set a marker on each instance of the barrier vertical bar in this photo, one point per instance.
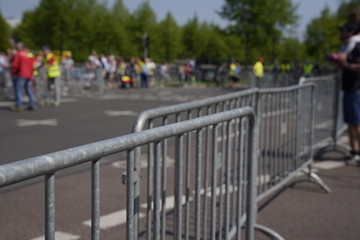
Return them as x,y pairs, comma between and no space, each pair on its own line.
227,180
178,187
131,232
252,159
206,177
271,148
198,183
265,170
164,183
234,156
187,192
278,144
95,200
337,112
157,191
240,178
213,182
220,166
150,186
50,207
298,130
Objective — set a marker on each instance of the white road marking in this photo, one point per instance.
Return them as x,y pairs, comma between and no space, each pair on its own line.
120,113
68,100
143,162
112,219
181,98
150,97
164,93
6,104
327,165
170,202
134,97
324,124
28,122
166,99
60,236
111,97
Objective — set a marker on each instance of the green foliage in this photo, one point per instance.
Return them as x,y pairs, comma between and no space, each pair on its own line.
256,28
292,50
169,39
143,21
5,34
322,35
255,21
192,38
344,9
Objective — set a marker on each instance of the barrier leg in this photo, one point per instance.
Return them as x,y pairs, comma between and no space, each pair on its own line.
341,149
269,232
313,178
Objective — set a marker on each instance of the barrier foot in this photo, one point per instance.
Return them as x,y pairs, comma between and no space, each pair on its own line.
341,149
269,232
319,182
313,178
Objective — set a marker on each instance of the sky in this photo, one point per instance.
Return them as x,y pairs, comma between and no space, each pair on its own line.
182,10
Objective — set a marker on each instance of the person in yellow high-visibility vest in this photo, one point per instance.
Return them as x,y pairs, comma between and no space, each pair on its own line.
258,69
53,77
308,68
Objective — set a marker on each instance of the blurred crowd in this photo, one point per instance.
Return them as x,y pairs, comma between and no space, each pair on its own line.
54,75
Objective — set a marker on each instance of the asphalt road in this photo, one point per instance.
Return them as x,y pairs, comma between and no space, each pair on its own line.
302,212
83,117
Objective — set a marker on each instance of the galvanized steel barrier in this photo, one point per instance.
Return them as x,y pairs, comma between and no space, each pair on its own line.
220,165
237,143
329,123
285,132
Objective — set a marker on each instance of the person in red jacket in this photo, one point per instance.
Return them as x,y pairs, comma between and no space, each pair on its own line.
22,68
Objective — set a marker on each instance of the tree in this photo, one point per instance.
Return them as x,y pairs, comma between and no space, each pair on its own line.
214,48
170,39
291,50
344,9
322,35
192,38
5,34
142,21
258,21
120,12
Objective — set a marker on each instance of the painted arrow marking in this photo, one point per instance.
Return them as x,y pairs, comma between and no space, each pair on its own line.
28,122
120,113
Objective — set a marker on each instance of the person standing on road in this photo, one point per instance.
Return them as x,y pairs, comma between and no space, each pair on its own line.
22,68
68,65
145,73
308,69
3,69
221,74
349,61
164,73
258,69
53,77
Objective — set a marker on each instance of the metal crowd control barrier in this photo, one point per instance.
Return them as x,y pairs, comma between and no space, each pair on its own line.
285,127
329,123
237,131
284,136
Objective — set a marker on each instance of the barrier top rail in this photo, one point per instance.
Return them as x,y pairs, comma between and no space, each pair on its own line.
49,163
164,111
